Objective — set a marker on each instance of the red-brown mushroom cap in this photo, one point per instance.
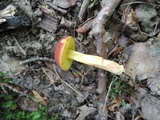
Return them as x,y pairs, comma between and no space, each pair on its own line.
60,53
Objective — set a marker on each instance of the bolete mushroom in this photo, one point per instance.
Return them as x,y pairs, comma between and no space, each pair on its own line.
65,53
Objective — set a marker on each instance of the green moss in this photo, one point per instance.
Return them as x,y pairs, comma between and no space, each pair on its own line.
120,88
9,109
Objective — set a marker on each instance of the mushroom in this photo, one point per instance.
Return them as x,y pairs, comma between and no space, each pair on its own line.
65,53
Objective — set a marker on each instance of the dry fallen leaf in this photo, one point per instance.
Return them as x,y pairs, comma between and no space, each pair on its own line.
49,22
10,65
27,104
116,103
84,111
39,98
144,59
154,84
150,106
26,7
49,76
64,3
63,74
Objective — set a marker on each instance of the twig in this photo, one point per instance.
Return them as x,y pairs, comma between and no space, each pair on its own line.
57,8
98,24
49,76
138,2
19,46
109,89
37,59
98,32
155,28
102,78
10,87
83,9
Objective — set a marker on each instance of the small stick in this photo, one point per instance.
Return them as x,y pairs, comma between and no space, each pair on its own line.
37,59
98,24
19,46
98,31
109,89
83,9
138,2
11,88
57,8
49,76
155,28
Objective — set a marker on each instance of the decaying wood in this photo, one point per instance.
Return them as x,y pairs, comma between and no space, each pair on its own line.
57,8
49,21
37,59
102,85
9,11
102,90
12,17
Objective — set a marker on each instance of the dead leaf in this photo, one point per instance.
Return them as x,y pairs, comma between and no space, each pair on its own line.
150,106
20,48
119,116
11,65
49,76
63,74
116,103
26,6
27,104
49,22
39,98
130,18
154,84
145,12
64,3
84,111
143,60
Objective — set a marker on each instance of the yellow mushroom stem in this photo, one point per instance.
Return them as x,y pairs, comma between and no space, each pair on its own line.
96,61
